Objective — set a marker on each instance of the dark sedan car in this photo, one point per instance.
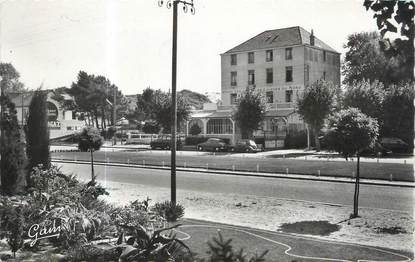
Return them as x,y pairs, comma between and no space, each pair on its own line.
376,150
395,144
164,143
245,145
213,144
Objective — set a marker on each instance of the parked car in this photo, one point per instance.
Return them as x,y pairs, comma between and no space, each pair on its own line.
245,145
394,144
164,143
376,150
213,144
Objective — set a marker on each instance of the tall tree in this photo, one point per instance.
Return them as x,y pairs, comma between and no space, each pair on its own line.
94,95
37,133
13,158
351,132
90,140
315,105
162,111
10,78
391,15
401,12
398,117
250,112
367,97
364,58
147,102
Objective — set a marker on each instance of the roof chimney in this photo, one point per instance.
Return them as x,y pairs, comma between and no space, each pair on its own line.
312,37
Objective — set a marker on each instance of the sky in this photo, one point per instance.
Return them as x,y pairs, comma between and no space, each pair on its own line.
129,41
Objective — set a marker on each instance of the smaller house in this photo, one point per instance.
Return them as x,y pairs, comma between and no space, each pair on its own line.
61,122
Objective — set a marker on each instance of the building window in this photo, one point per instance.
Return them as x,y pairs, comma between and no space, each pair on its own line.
270,97
288,53
288,96
269,56
251,58
324,56
307,74
316,55
233,59
234,99
219,126
310,55
270,76
251,77
288,74
233,78
324,75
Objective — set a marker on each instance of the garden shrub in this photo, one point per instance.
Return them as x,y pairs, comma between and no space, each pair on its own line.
169,210
144,245
15,228
222,250
195,130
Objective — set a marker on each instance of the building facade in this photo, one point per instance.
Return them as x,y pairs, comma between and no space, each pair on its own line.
61,122
279,64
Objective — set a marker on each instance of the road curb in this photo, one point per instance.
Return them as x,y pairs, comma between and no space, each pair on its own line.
252,174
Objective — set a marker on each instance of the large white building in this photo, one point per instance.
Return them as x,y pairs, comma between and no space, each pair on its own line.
279,64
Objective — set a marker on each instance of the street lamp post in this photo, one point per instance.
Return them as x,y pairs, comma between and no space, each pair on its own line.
186,5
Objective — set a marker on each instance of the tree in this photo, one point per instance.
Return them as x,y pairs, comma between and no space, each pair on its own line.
399,114
151,127
351,132
94,95
365,59
10,78
163,108
195,130
146,104
367,97
250,112
13,158
37,133
315,105
90,140
402,13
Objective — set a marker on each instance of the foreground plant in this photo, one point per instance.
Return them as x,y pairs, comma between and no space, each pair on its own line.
169,210
145,245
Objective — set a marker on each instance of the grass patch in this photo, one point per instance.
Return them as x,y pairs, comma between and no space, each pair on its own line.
400,172
318,228
390,230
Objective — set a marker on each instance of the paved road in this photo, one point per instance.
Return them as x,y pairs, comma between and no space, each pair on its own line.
395,198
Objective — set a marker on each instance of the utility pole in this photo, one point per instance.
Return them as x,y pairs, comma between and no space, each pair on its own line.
169,4
114,114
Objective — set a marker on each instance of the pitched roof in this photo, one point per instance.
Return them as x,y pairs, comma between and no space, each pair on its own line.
279,38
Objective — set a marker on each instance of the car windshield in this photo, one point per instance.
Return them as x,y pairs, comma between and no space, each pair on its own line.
251,143
214,140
